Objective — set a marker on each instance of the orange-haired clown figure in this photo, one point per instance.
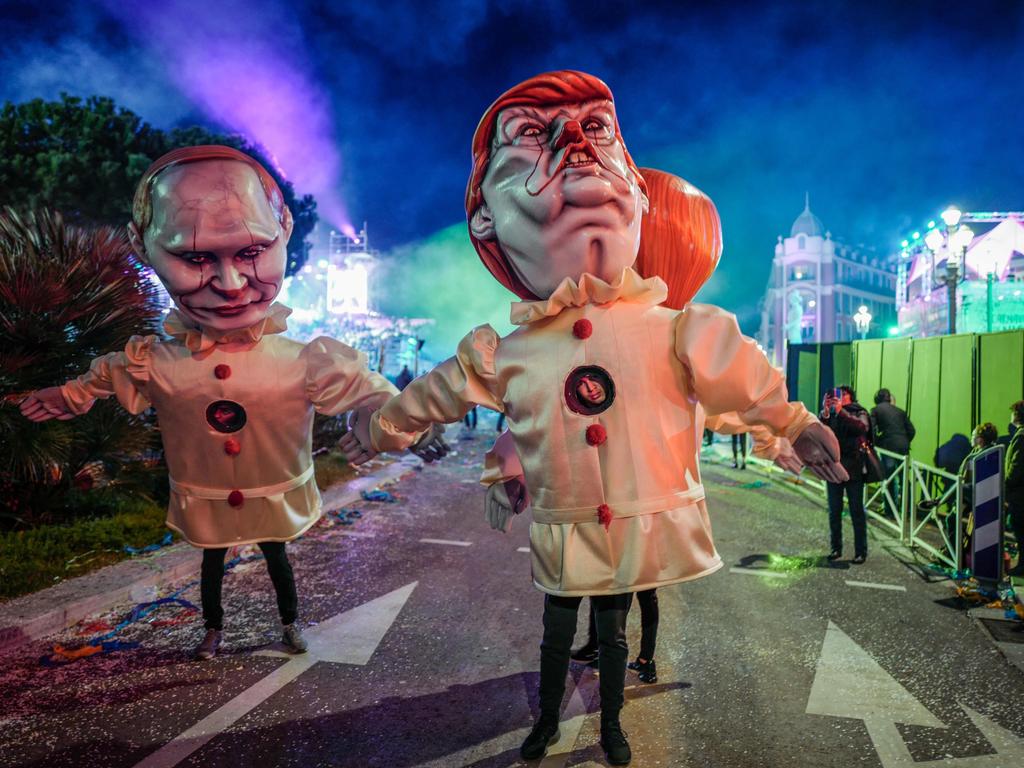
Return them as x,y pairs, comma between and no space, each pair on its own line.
600,383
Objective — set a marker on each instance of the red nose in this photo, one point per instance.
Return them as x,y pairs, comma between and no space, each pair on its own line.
572,133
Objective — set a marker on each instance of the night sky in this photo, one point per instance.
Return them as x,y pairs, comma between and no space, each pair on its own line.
884,113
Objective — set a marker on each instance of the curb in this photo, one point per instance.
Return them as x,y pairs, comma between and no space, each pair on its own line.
63,605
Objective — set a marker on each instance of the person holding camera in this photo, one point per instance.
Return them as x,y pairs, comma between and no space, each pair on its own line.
850,423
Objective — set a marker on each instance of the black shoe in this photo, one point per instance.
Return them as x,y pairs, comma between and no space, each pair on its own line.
835,554
614,744
543,735
585,653
735,465
859,559
647,671
743,465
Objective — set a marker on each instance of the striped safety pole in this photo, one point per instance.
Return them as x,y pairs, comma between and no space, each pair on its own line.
987,542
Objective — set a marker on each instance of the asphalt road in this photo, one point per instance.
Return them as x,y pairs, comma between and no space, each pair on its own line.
776,660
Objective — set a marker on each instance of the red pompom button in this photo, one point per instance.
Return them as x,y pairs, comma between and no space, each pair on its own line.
596,434
222,371
232,447
604,515
582,329
235,498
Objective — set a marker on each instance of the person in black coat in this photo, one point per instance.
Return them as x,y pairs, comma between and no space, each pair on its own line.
850,423
1013,485
893,431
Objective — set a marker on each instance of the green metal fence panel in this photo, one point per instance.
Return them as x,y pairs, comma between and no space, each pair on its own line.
895,371
842,364
867,369
923,403
807,381
956,386
1000,376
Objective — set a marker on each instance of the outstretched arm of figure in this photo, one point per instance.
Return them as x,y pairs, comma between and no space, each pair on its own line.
121,374
766,445
507,494
729,373
442,396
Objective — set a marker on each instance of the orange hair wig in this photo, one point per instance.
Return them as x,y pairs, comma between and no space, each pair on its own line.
680,237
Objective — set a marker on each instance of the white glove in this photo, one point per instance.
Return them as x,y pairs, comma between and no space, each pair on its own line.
503,500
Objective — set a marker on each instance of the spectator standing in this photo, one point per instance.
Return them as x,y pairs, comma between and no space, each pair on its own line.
850,423
739,451
404,378
1013,484
894,432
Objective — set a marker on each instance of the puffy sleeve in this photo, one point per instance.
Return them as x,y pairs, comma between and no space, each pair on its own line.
442,396
729,373
124,375
338,379
502,462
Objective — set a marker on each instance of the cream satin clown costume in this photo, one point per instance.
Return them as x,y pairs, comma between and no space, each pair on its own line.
236,425
619,508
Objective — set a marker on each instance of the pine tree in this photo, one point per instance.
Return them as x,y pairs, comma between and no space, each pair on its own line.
67,295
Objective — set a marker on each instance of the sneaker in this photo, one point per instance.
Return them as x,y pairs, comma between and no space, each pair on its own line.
647,671
835,554
614,744
585,653
207,649
544,734
293,639
859,559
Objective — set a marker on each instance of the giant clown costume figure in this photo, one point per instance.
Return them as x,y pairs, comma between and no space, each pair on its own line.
602,386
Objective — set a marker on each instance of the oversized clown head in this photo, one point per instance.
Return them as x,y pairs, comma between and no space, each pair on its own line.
553,193
212,224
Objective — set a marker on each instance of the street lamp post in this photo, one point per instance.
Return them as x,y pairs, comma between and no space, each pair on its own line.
863,321
953,240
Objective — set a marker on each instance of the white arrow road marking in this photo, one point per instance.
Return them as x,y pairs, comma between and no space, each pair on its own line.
849,683
346,638
523,549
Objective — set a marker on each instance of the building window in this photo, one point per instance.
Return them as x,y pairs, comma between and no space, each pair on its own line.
801,242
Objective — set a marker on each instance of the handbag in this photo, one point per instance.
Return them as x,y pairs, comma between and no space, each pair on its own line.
873,472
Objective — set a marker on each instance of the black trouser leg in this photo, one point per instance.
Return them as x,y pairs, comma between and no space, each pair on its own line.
855,493
835,515
1017,525
592,627
611,612
649,615
559,629
280,571
210,584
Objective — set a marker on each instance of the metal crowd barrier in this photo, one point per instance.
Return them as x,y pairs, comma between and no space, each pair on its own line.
941,496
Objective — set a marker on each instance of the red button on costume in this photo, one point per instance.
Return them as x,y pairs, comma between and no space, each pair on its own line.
222,371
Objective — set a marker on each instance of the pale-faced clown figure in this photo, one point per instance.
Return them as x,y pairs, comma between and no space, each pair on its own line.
235,399
555,206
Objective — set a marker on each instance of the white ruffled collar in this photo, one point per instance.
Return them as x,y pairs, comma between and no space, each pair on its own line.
629,286
197,339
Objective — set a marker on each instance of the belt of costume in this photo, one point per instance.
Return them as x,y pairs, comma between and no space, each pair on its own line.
200,492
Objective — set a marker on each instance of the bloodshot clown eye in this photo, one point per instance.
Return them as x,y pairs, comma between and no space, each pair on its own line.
589,390
225,416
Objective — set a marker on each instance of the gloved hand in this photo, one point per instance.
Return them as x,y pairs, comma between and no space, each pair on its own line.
818,449
356,443
432,445
787,460
504,500
46,404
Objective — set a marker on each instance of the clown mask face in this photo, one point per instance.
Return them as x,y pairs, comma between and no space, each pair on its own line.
559,196
215,243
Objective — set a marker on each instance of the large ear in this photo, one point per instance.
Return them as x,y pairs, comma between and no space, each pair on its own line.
287,223
137,242
481,223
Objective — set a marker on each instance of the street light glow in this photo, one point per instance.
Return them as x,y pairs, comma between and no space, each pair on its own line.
951,216
934,240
